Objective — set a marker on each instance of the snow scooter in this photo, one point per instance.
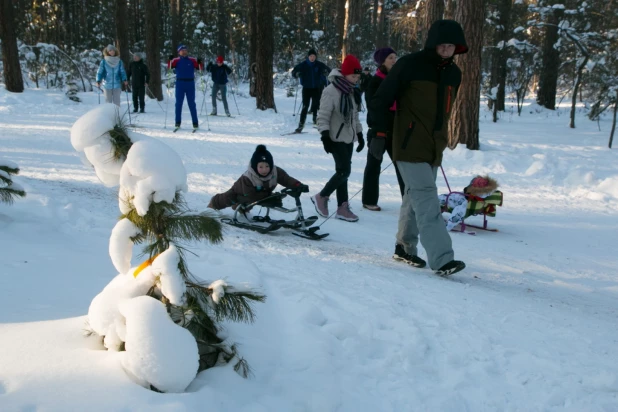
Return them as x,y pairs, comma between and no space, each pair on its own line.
300,226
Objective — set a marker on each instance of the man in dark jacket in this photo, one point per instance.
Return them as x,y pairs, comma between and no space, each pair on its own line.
139,76
219,73
424,85
313,74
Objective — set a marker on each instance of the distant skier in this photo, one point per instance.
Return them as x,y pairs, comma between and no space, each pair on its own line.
185,67
219,72
139,76
257,183
312,75
112,71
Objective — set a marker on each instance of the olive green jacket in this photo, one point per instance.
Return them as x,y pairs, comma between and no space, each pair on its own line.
424,86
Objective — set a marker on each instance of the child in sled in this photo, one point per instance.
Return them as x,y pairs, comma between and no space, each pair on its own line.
257,183
480,187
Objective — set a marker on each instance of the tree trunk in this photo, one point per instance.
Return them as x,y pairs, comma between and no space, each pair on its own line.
464,122
434,10
548,82
611,135
122,41
578,81
10,55
340,24
500,53
153,52
176,20
380,40
221,28
449,9
264,58
252,6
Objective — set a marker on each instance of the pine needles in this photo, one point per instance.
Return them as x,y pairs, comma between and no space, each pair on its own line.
8,189
119,137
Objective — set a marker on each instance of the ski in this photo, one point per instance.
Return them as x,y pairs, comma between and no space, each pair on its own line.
294,132
220,115
256,228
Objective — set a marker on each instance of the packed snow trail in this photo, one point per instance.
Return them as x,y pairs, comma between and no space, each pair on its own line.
529,325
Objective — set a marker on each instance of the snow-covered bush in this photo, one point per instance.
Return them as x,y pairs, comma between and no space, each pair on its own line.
9,189
152,181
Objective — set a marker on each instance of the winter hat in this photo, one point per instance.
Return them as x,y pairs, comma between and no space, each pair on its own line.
111,47
181,47
380,55
481,186
220,59
351,65
312,51
261,155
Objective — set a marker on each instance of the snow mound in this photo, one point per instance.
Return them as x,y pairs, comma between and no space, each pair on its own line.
121,245
158,352
91,126
153,172
172,284
103,312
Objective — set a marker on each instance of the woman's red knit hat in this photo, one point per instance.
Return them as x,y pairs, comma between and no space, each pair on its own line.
351,65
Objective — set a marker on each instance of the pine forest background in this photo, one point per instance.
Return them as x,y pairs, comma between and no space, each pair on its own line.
554,50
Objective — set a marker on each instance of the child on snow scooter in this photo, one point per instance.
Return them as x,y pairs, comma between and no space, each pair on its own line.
257,183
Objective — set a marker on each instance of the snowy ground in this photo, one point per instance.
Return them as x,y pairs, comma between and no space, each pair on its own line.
530,325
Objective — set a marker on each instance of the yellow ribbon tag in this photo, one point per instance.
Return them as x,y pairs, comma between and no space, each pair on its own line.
144,265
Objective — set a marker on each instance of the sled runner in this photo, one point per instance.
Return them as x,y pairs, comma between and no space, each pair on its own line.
300,225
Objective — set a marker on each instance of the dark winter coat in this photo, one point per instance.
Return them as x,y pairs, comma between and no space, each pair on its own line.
219,73
312,75
424,86
138,73
245,190
364,82
372,88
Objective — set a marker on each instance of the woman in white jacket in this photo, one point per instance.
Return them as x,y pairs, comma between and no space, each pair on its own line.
340,127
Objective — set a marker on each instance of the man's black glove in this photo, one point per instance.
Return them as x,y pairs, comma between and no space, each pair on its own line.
361,142
199,60
303,188
327,142
170,57
376,146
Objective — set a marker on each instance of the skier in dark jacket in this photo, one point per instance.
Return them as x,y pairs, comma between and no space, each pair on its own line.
385,58
139,76
185,67
219,72
424,85
312,75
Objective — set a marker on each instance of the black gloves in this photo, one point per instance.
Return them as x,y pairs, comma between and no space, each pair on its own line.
303,188
199,60
326,141
361,142
170,57
377,145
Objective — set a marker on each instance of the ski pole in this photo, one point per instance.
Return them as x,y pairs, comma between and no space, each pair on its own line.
155,97
203,87
355,194
126,91
295,99
234,94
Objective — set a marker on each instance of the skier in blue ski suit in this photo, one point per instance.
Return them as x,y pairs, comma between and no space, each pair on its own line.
184,67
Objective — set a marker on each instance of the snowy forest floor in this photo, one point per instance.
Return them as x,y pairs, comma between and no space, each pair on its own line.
530,325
